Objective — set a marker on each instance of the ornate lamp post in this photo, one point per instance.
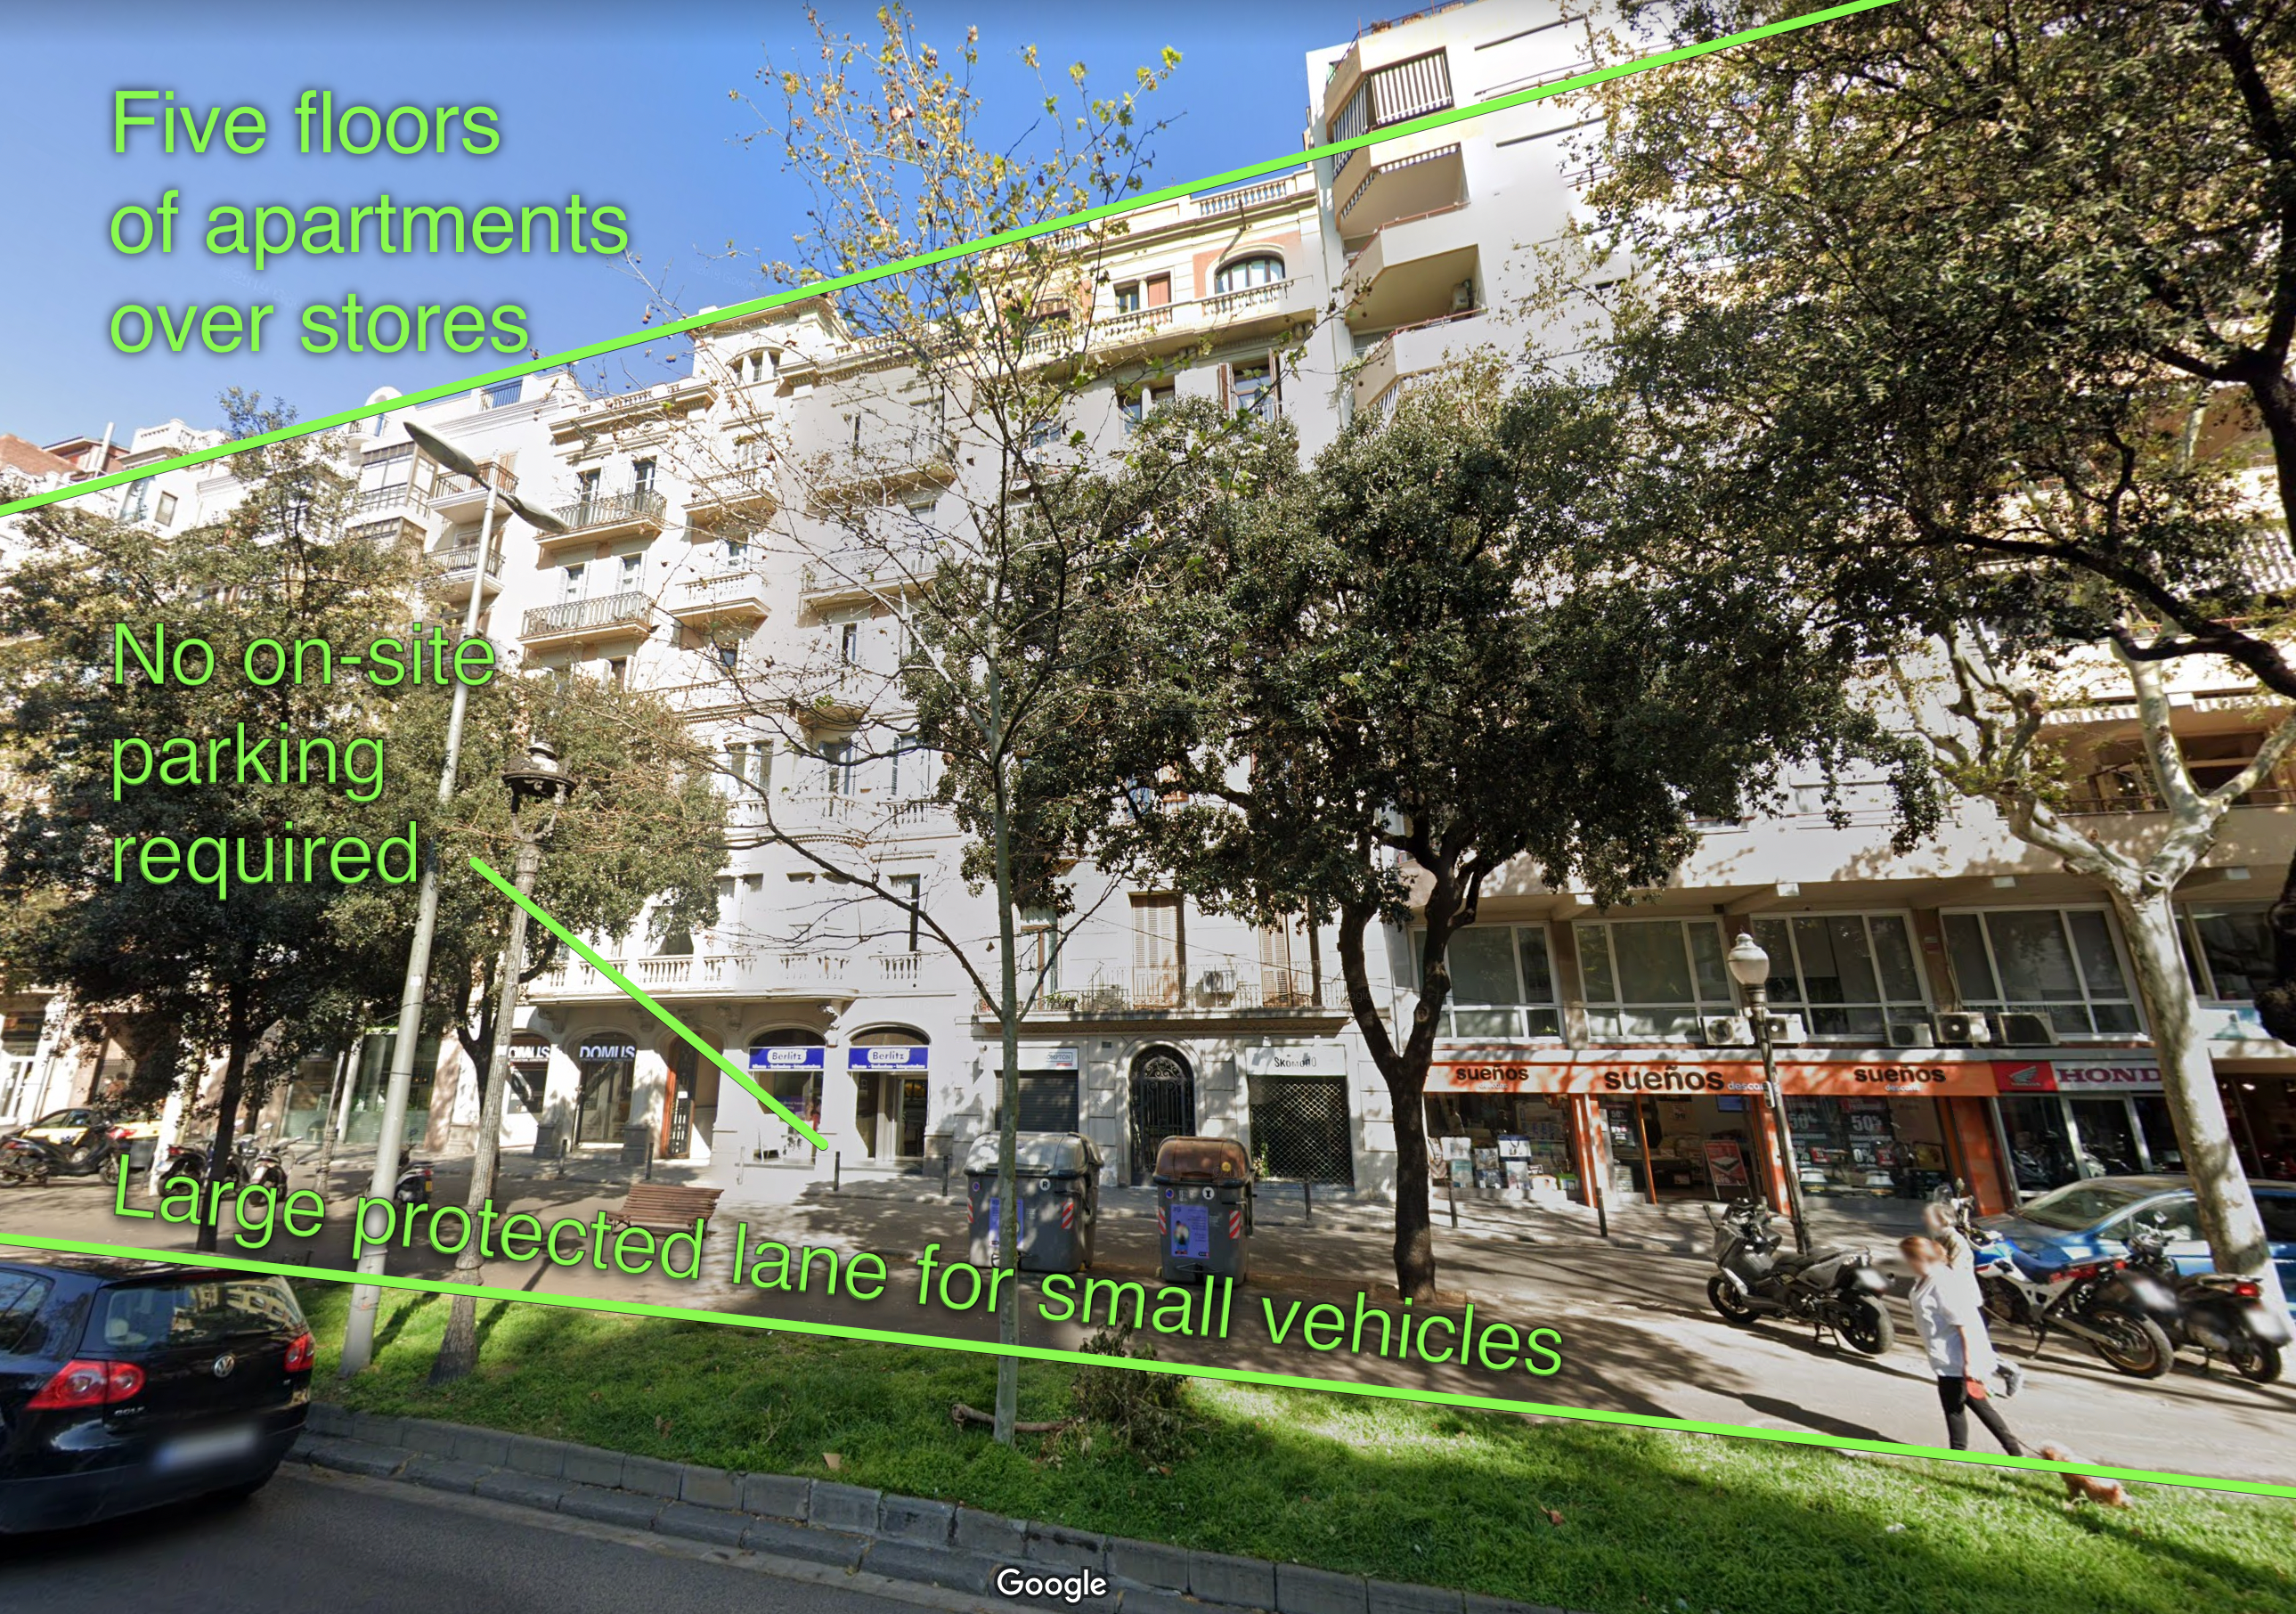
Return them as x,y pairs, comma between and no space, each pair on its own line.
1749,967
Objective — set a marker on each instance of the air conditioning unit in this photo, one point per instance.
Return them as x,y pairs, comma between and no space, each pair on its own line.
1963,1030
1217,983
1786,1029
1912,1033
2026,1031
1726,1031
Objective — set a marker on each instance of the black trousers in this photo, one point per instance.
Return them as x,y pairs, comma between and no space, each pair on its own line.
1953,1394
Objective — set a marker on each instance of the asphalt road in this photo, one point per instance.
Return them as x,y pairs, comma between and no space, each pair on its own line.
347,1546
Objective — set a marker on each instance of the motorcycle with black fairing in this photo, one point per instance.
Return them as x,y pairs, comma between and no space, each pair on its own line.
1834,1290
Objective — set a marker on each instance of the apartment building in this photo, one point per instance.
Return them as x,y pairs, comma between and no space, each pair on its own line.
1964,1010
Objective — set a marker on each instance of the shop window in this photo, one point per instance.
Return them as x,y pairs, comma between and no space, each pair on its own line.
2061,962
1653,979
1868,1147
2229,949
1850,976
1502,983
1510,1142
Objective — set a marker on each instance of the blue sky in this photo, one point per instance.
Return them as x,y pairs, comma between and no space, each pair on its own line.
625,102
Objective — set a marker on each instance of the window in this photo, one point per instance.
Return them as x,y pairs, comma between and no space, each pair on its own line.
910,890
633,570
1653,977
848,643
1847,975
136,503
642,475
1253,387
617,672
167,516
1127,297
837,757
1160,951
200,1314
1502,982
733,551
1136,404
729,654
1260,269
501,394
571,582
586,485
2229,949
1158,289
1040,944
2061,963
910,767
21,1295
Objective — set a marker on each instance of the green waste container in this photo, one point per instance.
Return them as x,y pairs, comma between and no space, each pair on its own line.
1204,1208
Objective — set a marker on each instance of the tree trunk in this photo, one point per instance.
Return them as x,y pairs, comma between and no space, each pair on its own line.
1406,1090
235,1070
2227,1208
458,1347
1008,1140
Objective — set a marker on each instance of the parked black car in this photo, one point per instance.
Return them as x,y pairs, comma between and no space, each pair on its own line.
126,1384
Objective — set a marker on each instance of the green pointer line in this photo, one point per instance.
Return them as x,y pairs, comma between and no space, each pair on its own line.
1234,1375
939,255
638,994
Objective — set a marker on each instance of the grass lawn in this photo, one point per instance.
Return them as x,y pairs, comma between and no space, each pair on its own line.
1617,1522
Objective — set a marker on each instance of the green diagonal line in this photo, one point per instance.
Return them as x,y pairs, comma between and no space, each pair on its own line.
638,996
939,255
1186,1370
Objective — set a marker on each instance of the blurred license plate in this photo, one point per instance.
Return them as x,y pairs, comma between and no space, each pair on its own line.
209,1445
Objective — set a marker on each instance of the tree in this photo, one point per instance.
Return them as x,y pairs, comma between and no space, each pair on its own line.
946,495
1976,315
254,977
1379,682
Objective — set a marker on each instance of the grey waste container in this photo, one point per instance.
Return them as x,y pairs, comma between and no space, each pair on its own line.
1203,1208
1057,1179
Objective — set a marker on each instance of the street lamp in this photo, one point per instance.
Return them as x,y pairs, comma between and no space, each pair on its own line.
1749,967
540,784
366,1299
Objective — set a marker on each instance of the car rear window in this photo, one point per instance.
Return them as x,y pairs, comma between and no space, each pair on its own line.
2078,1206
208,1312
21,1295
2279,1213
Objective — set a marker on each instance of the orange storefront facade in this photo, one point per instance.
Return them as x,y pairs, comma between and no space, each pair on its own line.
1611,1126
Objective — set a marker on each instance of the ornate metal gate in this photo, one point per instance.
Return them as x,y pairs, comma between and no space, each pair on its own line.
1163,1105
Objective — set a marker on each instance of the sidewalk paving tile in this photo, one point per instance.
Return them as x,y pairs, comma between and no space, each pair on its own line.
775,1540
444,1473
709,1487
912,1519
843,1507
527,1490
1301,1590
722,1525
1076,1549
1148,1563
610,1506
1218,1577
936,1566
777,1495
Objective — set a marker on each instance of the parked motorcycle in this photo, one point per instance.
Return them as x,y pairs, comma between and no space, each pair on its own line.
414,1187
1840,1289
2116,1311
90,1151
26,1160
188,1163
260,1164
2215,1314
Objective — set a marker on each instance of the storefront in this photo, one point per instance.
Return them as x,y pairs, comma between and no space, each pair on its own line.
792,1073
1051,1097
2261,1103
1653,1127
605,1065
1302,1131
2097,1115
891,1094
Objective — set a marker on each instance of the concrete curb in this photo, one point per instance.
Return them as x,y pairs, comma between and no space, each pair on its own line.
847,1527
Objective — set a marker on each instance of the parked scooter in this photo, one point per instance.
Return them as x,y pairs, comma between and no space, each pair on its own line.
260,1164
1836,1289
26,1160
2217,1314
414,1187
188,1163
2119,1313
91,1153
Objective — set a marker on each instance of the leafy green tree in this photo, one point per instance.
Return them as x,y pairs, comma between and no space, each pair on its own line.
1973,317
245,967
1369,688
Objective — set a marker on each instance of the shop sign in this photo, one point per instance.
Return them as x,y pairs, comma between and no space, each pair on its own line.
1296,1059
2117,1073
1670,1078
1725,1164
1036,1059
607,1050
788,1059
905,1057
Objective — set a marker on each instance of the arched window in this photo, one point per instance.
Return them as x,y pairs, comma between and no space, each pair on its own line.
1260,269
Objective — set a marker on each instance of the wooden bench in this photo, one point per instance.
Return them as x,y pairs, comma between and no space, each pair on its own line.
665,1207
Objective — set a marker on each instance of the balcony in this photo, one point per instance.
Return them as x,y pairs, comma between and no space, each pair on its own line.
606,516
791,973
1398,192
461,498
1218,991
740,486
1384,96
1407,353
863,574
727,596
627,615
1248,311
1414,271
398,499
459,567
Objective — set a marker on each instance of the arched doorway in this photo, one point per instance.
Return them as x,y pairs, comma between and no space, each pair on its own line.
1163,1105
892,1097
789,1063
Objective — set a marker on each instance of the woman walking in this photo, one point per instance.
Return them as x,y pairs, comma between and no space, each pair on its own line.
1950,1312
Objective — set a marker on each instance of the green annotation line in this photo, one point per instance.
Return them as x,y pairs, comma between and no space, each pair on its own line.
939,255
1233,1375
637,995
